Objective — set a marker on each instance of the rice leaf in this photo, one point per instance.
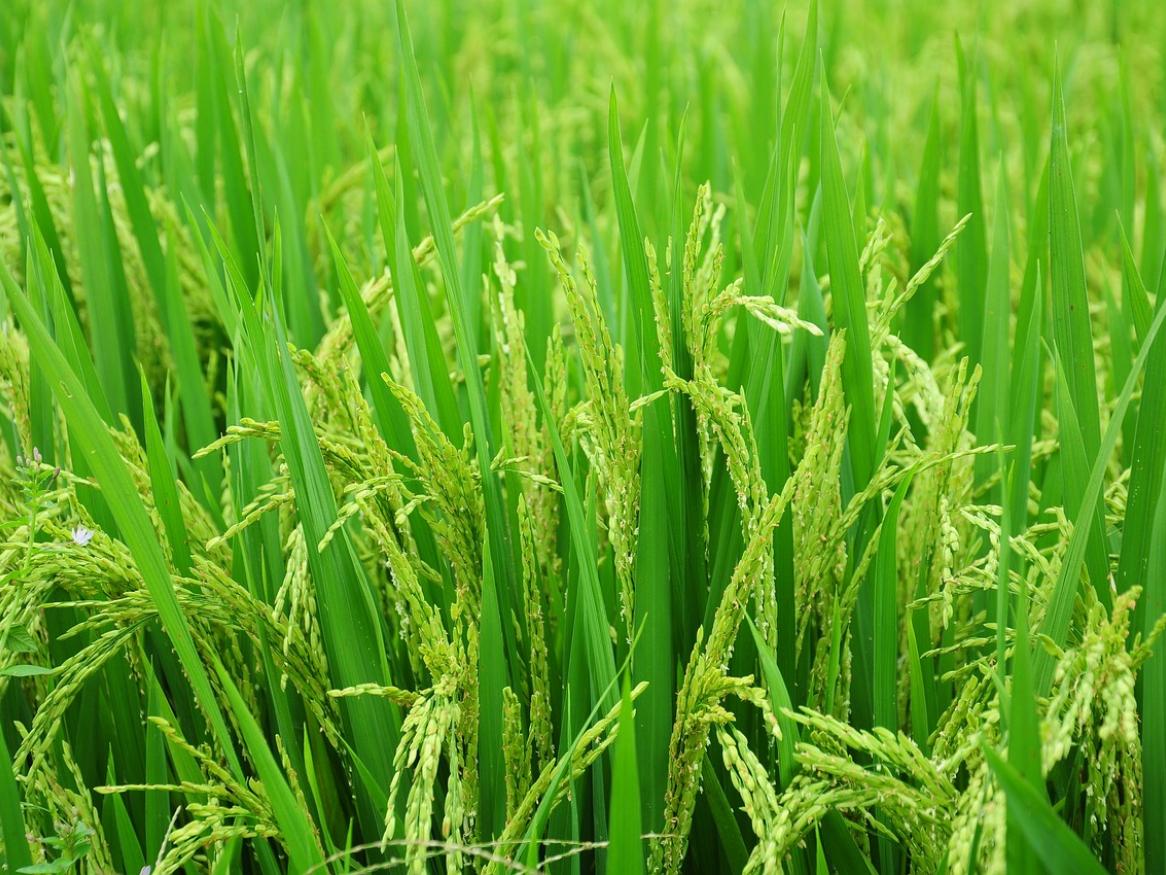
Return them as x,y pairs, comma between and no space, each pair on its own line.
625,846
849,301
1056,845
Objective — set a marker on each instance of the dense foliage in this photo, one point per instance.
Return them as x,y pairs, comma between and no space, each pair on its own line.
602,436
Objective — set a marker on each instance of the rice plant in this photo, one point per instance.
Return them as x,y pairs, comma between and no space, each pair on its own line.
582,437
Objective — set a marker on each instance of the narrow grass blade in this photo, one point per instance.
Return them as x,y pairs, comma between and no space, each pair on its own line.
732,843
1025,394
492,679
654,584
1074,475
142,222
112,342
1136,297
1057,846
1071,324
114,809
635,261
295,825
426,360
779,700
1147,458
1060,607
16,851
625,851
971,253
164,483
992,409
919,323
849,301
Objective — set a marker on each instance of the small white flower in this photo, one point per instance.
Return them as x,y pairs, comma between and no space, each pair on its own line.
82,536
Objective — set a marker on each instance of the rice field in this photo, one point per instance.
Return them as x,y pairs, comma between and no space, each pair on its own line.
599,437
